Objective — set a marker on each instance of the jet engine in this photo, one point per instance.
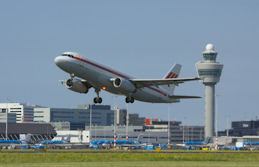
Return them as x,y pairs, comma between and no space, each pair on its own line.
77,85
124,85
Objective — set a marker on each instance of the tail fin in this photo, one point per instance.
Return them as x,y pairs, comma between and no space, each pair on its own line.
172,73
139,139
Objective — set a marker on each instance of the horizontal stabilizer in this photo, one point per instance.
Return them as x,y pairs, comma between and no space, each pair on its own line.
183,97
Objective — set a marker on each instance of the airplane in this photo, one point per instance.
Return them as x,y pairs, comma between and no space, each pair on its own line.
122,143
13,143
4,141
118,141
54,142
101,77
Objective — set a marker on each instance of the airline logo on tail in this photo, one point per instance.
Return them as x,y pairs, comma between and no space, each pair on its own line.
171,75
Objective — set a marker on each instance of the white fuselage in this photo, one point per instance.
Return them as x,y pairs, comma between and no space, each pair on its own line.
99,76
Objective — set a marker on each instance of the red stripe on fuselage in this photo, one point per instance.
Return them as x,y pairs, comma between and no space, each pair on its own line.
115,73
103,68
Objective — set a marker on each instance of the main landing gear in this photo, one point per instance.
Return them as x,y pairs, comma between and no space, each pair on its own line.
129,100
98,99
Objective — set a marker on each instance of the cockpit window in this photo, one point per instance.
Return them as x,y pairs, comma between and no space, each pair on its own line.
69,55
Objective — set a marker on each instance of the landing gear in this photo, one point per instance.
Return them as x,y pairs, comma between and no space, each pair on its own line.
129,100
72,75
98,99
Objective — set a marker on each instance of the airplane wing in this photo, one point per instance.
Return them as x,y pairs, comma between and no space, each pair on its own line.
140,83
183,97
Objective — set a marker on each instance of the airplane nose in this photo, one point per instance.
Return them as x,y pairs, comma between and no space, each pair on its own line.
59,61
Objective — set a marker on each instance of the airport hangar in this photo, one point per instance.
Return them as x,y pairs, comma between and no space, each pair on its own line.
33,132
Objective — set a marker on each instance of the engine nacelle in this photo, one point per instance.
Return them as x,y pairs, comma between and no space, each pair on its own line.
124,85
76,85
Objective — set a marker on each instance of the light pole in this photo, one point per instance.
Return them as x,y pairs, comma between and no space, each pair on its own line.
216,115
183,130
6,125
183,134
127,123
90,128
114,126
168,129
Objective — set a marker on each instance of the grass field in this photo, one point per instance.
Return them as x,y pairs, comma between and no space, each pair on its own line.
125,159
138,164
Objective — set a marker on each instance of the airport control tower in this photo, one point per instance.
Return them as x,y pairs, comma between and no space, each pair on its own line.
209,71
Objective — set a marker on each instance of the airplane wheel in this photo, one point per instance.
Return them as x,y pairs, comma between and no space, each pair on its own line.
132,100
129,100
95,100
100,100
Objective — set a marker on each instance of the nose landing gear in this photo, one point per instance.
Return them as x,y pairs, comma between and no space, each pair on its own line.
129,100
98,99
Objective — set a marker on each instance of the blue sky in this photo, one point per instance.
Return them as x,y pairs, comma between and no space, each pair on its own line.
143,38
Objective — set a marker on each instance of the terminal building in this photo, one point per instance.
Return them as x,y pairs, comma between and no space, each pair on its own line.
136,133
23,112
10,117
181,134
102,115
135,120
178,133
242,128
68,121
78,118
